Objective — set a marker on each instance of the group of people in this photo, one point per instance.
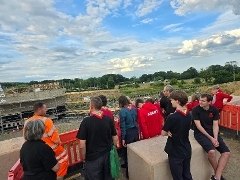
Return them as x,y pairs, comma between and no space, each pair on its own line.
43,157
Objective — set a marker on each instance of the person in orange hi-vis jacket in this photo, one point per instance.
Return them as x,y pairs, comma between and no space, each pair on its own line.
51,138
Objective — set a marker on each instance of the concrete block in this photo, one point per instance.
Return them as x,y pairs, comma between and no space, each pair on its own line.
147,160
9,154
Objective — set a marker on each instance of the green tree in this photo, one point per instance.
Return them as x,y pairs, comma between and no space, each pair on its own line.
222,76
206,74
173,81
197,80
110,83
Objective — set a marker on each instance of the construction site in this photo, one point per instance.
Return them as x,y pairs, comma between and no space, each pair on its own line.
16,105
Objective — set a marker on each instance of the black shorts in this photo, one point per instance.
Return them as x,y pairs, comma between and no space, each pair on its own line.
207,144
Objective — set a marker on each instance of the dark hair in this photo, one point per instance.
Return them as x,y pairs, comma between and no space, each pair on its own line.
138,101
161,94
123,101
104,100
208,96
96,102
150,100
37,106
179,95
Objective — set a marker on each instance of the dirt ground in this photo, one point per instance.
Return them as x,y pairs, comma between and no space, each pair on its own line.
231,172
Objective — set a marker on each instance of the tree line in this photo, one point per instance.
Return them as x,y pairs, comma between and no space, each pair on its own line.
215,74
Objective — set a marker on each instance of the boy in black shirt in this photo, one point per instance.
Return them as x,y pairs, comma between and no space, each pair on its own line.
178,146
96,134
206,133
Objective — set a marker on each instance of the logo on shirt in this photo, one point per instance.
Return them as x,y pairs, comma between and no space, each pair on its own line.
210,115
152,112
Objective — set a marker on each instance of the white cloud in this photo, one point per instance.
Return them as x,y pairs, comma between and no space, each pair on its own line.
225,42
184,7
146,21
147,7
130,63
224,22
127,3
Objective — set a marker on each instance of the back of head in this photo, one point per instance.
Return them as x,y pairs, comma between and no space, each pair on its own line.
104,100
96,103
123,101
161,94
37,106
180,96
194,97
34,130
150,100
138,101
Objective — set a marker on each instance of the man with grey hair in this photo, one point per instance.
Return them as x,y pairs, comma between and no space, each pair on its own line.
166,104
37,158
96,134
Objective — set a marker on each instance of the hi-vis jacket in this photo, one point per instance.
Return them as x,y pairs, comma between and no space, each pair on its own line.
51,138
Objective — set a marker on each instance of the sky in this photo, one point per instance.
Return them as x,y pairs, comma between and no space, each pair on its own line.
56,39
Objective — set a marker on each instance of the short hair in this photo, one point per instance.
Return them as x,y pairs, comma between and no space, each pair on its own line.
215,87
181,96
123,101
150,100
169,88
37,106
161,94
194,97
34,130
104,100
208,96
138,101
96,102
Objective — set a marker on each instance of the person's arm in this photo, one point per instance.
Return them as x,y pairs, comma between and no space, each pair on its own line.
82,136
203,131
56,167
225,96
167,127
115,140
143,125
122,127
52,132
215,129
113,133
83,149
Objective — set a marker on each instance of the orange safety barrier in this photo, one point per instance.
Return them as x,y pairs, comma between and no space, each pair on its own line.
229,117
16,172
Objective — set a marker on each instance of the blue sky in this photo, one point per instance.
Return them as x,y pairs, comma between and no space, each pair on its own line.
49,39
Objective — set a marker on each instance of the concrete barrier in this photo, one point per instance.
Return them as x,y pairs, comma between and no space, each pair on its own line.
9,154
148,161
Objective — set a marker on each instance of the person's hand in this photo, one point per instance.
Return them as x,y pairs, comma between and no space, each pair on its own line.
169,134
215,142
123,143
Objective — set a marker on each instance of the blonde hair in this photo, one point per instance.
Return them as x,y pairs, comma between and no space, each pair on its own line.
215,87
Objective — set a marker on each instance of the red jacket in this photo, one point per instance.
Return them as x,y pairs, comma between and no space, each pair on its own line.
192,104
220,96
150,120
107,112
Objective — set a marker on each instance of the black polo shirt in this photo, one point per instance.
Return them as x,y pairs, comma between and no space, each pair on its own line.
206,118
166,104
37,160
98,134
178,146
